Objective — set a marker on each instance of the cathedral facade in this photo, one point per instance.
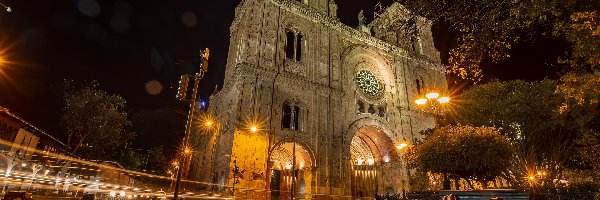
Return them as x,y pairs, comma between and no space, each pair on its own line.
315,108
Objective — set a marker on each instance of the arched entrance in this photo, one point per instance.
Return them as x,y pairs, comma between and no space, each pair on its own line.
290,167
371,154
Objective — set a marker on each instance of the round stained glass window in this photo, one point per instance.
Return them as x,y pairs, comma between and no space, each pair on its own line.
368,83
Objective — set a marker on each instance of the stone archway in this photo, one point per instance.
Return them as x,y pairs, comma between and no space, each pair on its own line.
374,163
291,167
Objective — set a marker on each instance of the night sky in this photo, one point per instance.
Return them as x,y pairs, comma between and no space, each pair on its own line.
138,49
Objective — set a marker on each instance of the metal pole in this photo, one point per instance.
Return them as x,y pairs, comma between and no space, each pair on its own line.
186,138
177,182
188,125
293,166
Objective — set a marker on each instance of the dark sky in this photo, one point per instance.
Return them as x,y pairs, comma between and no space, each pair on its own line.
129,45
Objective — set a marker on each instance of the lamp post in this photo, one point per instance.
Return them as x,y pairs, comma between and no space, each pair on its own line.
433,104
400,147
181,95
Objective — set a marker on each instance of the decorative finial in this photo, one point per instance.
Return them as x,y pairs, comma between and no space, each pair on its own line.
361,18
362,26
333,9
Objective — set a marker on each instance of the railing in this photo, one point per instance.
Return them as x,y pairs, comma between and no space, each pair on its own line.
566,196
409,196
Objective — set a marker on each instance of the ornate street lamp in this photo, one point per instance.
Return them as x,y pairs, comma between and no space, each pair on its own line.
403,144
434,104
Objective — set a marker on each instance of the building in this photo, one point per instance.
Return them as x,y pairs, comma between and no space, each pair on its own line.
330,102
21,138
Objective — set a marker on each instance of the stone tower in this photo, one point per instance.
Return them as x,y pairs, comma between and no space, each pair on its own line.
330,102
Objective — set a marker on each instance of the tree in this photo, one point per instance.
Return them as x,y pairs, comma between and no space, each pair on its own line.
132,160
490,28
154,160
582,106
158,161
528,113
583,32
479,153
516,107
94,122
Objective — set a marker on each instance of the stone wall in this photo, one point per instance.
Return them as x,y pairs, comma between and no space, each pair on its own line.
260,80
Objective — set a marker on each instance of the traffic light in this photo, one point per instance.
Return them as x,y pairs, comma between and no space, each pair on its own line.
183,85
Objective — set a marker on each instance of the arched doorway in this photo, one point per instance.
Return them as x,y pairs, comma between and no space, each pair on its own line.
371,153
290,170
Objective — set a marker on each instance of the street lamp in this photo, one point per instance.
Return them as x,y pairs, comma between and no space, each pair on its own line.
181,95
433,104
402,145
187,150
208,123
3,60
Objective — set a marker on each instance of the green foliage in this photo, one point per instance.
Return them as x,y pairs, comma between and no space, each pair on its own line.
95,123
527,112
419,181
132,160
490,28
154,160
479,153
516,107
582,106
582,97
583,32
158,161
557,129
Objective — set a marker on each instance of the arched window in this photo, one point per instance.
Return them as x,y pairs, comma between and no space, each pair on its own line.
293,46
292,117
420,85
290,46
296,119
298,47
286,120
361,106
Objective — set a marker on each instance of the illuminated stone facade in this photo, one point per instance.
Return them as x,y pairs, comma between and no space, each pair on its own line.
330,101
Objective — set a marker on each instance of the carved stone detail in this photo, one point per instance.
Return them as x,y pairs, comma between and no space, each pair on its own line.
260,79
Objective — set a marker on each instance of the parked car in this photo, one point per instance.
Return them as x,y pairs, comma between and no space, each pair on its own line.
18,195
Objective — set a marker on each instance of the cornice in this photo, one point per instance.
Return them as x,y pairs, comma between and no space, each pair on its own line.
245,68
334,24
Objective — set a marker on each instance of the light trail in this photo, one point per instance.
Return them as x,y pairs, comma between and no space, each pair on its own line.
145,185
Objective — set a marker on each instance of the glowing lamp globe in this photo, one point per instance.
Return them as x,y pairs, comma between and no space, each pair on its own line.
402,145
444,100
433,95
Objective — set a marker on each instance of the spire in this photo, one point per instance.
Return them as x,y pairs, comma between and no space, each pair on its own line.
362,26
